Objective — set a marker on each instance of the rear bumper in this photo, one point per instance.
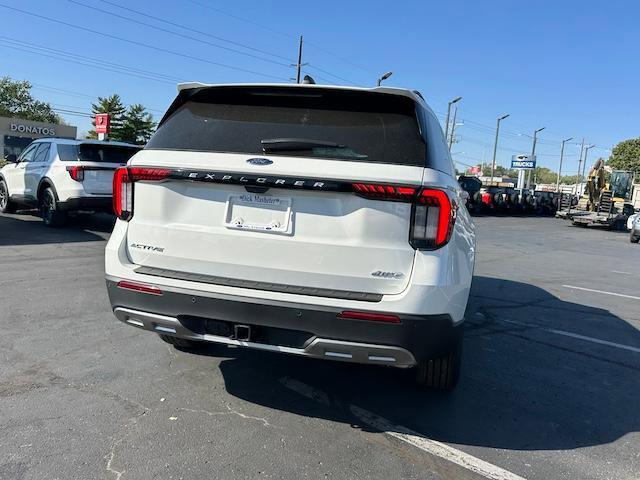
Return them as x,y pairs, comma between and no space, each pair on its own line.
102,204
289,328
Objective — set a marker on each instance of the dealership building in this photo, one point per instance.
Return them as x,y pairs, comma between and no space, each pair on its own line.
16,134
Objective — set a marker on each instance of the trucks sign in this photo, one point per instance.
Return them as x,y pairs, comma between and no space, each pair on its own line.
525,162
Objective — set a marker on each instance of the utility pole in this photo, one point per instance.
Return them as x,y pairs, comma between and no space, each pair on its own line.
446,124
495,145
579,165
453,127
560,166
533,153
299,64
584,164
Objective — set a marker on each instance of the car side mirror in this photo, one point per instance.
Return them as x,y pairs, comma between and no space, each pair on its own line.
11,158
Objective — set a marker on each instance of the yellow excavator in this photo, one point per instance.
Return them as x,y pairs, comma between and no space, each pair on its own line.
603,204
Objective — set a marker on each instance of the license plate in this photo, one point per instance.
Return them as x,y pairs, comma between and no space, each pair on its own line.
264,213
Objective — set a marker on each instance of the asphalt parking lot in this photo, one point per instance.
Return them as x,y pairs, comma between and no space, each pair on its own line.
550,385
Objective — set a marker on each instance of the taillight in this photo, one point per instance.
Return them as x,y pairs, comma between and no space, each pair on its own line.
372,317
384,192
123,180
76,173
139,287
434,215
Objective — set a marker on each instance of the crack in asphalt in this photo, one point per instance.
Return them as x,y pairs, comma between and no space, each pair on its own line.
230,411
111,454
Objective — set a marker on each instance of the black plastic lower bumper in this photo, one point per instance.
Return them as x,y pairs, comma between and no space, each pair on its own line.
94,204
424,336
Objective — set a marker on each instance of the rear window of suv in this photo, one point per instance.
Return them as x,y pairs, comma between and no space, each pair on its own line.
322,123
90,152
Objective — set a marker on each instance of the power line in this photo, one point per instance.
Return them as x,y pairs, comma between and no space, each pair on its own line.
281,33
191,29
310,65
464,164
327,81
270,29
202,33
60,57
40,86
141,44
182,35
340,58
73,112
84,58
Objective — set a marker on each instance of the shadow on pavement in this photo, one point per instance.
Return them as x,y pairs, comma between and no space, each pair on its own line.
521,389
25,229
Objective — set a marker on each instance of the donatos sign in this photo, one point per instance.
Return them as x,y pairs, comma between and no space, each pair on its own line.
21,128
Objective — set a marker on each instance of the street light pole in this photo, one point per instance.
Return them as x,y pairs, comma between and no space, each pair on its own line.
453,127
384,77
533,153
495,144
560,166
446,124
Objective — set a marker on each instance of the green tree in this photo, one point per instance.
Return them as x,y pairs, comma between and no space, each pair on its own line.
137,125
113,106
16,101
544,175
569,179
626,155
501,171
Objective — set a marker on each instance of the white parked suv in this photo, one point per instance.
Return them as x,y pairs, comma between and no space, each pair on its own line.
633,225
59,175
311,220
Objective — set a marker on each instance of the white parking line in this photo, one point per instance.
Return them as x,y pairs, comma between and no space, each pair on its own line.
433,447
406,435
575,335
602,291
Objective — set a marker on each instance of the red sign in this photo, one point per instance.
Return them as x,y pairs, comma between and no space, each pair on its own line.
103,123
475,170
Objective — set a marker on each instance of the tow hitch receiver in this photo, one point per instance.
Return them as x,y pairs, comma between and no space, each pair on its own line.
242,333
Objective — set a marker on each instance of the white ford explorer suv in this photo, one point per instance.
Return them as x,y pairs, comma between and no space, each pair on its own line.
59,175
311,220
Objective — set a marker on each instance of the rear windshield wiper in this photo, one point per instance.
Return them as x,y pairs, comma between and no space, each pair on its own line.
293,144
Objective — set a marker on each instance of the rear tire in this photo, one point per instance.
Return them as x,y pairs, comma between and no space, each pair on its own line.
181,342
5,204
441,373
634,238
49,211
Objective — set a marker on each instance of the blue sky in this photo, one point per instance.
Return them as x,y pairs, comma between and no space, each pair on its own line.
570,66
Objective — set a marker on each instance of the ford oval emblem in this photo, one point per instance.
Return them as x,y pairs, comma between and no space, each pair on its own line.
259,161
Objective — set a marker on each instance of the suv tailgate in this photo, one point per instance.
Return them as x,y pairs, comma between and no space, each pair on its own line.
256,196
334,240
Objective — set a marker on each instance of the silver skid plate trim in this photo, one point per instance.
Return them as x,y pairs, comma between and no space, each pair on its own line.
325,348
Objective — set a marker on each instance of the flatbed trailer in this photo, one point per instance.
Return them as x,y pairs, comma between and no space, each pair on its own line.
597,219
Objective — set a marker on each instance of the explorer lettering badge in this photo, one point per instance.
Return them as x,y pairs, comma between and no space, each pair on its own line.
149,248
